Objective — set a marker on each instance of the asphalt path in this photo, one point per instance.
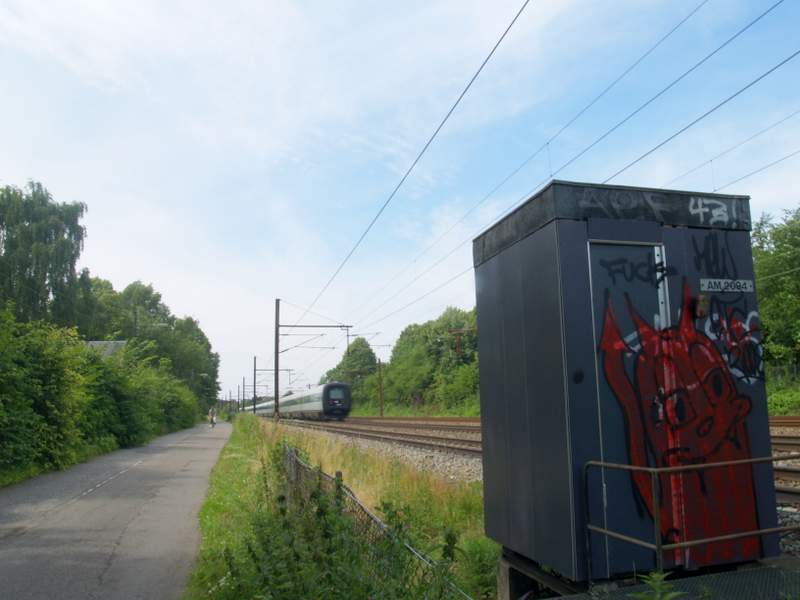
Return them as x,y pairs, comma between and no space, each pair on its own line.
121,526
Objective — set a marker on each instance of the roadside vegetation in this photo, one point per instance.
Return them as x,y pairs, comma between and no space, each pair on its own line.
62,401
776,252
248,552
433,370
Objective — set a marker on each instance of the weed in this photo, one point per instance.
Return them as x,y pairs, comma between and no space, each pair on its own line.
275,533
659,588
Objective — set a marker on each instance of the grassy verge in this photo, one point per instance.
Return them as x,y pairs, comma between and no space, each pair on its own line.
233,497
428,504
87,452
18,474
234,515
783,396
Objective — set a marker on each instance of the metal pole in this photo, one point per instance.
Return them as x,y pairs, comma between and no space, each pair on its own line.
654,483
586,522
244,396
254,385
380,384
277,355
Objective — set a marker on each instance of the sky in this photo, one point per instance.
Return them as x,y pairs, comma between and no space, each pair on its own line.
232,153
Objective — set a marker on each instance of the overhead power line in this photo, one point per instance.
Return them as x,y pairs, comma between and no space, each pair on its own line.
396,311
420,298
759,170
652,99
527,160
308,311
704,115
416,160
648,153
732,148
787,272
585,150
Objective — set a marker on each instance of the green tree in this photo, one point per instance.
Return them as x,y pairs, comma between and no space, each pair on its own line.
776,253
100,311
40,242
433,367
358,362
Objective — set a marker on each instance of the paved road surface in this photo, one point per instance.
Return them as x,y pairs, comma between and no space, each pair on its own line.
122,526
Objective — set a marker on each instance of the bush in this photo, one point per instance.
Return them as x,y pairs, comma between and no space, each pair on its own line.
51,359
20,425
61,402
783,397
266,538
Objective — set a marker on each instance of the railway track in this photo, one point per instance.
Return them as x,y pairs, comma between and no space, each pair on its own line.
785,421
414,431
469,424
386,433
452,424
786,443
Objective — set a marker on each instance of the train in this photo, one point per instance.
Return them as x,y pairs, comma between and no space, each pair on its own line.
330,401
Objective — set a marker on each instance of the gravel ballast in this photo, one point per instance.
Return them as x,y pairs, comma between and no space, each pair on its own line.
452,467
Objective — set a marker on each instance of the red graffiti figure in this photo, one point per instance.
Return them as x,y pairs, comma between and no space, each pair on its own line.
682,408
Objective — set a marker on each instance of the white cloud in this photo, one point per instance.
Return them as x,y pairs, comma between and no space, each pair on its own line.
231,154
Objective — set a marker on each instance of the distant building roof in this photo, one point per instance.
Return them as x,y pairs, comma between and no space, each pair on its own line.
107,349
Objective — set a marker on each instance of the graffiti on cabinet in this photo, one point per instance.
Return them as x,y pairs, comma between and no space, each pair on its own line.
679,398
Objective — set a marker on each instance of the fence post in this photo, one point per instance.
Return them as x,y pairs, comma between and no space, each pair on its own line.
655,488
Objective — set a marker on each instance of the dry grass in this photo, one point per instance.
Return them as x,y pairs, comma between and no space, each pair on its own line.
429,503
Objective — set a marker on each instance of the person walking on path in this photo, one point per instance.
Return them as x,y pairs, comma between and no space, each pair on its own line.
212,417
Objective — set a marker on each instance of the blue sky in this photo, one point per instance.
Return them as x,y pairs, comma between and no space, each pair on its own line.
233,153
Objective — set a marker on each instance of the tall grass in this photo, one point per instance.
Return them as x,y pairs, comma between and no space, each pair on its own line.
428,504
261,540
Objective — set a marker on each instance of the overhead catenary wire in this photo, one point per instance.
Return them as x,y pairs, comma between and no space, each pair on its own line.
657,147
302,344
704,116
310,312
782,273
533,155
730,149
416,160
509,209
597,141
653,98
420,298
759,170
647,103
649,152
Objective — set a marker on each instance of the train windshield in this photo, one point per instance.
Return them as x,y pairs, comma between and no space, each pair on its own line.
336,393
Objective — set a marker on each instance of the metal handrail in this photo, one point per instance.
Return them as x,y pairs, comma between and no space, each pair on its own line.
659,547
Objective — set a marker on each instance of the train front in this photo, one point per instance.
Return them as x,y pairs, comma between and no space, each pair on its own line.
336,401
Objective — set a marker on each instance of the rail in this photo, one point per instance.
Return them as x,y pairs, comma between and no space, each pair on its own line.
658,546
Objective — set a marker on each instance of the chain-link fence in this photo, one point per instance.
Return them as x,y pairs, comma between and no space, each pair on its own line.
397,569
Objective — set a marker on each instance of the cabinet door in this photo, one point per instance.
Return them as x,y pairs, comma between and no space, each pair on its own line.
629,295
